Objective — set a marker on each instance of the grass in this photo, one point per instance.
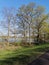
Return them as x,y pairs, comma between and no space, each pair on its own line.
22,55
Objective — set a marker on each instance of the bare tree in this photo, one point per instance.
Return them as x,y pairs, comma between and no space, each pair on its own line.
9,16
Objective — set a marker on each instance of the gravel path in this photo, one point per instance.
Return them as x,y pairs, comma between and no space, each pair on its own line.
42,60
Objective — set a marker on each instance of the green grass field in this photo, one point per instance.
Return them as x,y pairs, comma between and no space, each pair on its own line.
22,55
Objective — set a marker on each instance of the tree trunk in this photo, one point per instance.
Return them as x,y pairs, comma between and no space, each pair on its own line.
29,35
38,36
8,31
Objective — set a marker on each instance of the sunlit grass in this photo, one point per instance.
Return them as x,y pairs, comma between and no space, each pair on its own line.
40,49
22,55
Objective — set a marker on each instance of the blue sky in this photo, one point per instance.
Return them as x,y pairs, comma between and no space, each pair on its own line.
18,3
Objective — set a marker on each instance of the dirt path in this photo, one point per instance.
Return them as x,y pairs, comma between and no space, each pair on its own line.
42,60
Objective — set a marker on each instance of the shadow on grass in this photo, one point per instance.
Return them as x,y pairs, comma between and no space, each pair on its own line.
24,58
19,60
